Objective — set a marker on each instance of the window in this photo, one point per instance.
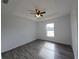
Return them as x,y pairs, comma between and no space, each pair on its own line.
50,30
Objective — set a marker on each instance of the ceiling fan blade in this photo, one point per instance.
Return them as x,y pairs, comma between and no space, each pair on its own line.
43,12
41,15
37,10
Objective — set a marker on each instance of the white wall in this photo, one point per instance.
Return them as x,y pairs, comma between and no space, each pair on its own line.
74,20
16,31
62,30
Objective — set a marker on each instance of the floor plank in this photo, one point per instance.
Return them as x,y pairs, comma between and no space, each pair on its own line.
40,49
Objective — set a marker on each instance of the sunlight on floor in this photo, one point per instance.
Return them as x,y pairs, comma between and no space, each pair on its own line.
47,50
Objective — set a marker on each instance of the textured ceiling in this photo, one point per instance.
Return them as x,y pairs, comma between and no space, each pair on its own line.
53,8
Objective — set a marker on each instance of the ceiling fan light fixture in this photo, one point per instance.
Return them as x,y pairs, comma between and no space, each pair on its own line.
38,15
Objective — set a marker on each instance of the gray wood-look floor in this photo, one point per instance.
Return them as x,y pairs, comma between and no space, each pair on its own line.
40,49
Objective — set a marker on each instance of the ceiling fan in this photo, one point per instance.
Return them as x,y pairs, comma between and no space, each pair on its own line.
38,13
